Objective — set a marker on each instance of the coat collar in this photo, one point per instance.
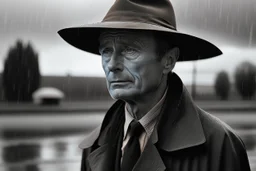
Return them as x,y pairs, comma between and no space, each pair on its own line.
179,126
100,134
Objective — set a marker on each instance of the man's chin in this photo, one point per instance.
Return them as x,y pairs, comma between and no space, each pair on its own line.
121,95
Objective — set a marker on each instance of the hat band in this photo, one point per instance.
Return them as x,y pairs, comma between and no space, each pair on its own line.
130,16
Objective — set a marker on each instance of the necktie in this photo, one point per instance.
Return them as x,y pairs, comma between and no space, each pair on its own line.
132,149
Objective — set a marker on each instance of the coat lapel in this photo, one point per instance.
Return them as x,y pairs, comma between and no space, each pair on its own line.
150,159
180,126
97,159
89,140
105,141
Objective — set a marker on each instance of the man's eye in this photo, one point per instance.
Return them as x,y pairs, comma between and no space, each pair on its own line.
129,50
130,53
107,52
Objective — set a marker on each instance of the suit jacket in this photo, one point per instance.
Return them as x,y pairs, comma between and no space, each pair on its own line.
186,138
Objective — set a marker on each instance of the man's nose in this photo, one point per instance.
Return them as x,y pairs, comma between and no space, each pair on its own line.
115,63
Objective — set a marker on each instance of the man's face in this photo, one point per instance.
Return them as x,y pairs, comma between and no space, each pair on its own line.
130,63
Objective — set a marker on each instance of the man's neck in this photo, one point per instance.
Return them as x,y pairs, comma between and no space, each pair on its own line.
140,108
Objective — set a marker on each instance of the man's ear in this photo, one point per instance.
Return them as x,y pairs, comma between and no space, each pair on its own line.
169,59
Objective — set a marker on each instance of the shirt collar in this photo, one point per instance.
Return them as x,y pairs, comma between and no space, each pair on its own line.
148,121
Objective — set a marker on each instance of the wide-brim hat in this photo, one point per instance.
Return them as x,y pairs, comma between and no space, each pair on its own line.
141,15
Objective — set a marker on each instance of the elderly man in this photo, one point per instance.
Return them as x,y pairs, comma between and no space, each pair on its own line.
154,125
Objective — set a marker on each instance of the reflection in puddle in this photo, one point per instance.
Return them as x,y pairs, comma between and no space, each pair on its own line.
62,153
32,168
28,167
60,149
51,154
20,153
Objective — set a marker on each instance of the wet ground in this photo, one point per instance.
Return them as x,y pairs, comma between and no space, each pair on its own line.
46,142
41,154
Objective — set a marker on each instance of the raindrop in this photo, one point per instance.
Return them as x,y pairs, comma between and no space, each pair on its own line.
227,21
186,10
221,10
5,19
208,4
238,27
251,35
232,28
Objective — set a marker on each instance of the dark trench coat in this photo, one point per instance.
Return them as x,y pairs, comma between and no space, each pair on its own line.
185,139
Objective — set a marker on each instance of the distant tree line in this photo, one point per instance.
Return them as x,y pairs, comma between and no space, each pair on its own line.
244,82
222,85
21,77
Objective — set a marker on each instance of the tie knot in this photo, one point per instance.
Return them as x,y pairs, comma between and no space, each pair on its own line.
136,128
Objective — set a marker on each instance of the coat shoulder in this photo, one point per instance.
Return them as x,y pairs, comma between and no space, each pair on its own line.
223,141
213,126
218,132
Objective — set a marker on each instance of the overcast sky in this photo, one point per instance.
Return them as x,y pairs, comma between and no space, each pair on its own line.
229,24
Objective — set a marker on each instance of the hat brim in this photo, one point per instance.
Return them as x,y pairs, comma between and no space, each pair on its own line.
86,38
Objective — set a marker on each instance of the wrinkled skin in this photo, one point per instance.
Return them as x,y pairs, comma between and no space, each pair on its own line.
133,70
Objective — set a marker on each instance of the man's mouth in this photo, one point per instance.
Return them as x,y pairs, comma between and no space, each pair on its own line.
119,82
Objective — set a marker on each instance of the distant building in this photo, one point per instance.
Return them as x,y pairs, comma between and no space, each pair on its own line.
48,96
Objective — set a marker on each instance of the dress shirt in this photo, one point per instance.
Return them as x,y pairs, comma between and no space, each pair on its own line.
148,122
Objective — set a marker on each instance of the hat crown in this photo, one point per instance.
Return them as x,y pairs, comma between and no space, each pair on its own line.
157,12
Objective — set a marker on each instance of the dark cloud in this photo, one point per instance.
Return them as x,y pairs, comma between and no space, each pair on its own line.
226,21
231,21
46,16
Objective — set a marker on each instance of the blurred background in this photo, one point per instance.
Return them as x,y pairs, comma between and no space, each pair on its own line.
52,94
